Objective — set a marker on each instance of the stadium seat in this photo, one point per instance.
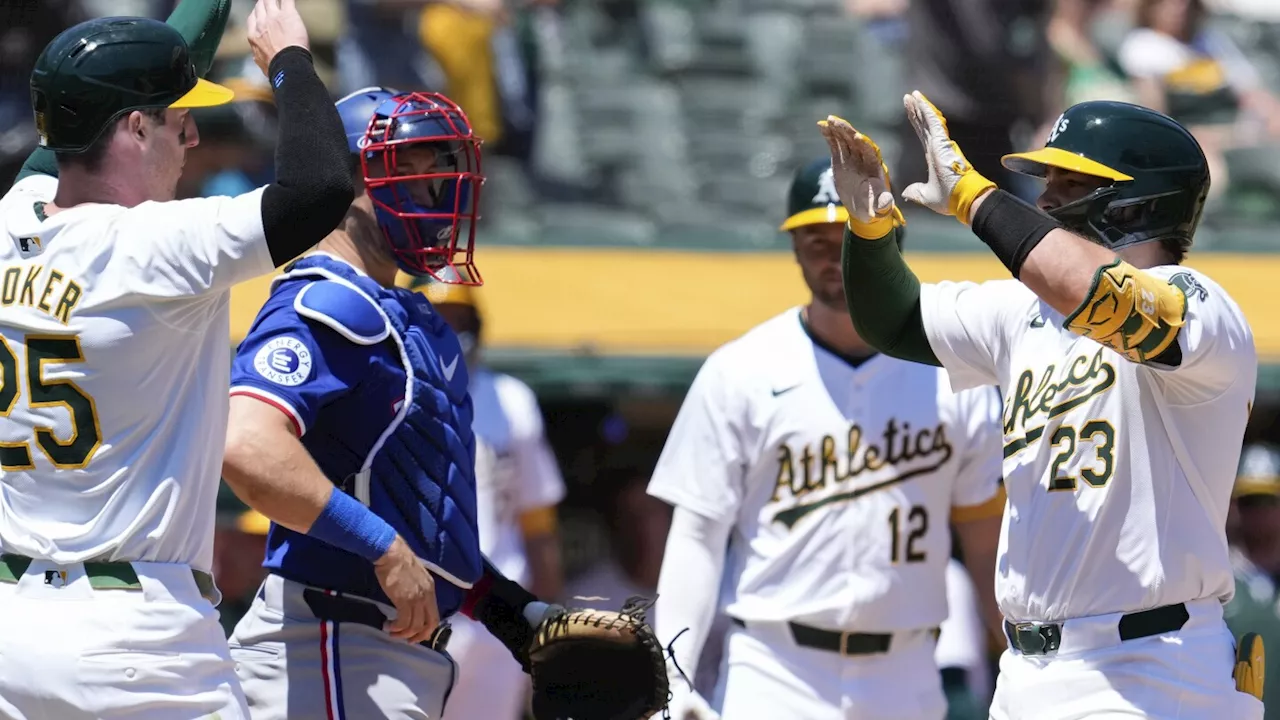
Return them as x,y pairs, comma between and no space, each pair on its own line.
670,32
750,105
775,41
747,195
716,230
509,229
573,224
1253,194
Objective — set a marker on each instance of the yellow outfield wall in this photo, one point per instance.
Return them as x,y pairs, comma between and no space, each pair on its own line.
654,302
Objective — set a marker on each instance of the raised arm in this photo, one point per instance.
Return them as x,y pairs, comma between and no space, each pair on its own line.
882,294
954,325
1103,297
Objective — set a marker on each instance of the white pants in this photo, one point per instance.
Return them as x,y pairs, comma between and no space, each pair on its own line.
766,675
68,651
1183,675
490,683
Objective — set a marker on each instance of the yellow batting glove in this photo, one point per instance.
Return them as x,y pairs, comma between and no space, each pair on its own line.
1251,663
953,184
861,179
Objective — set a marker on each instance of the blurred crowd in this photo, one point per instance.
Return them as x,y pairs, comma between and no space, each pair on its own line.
659,120
608,119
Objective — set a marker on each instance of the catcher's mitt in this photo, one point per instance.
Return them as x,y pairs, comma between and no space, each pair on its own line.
598,665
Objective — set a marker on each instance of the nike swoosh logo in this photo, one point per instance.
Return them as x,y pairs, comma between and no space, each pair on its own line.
449,369
783,391
792,515
1037,321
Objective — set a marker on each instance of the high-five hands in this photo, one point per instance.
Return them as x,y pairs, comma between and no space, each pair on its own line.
861,179
953,184
272,26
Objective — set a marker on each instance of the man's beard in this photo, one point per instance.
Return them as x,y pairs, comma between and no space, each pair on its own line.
830,297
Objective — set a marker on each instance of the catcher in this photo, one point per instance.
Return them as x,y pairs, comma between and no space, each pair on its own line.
351,429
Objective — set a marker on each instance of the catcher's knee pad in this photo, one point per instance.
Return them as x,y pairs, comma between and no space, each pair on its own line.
1251,662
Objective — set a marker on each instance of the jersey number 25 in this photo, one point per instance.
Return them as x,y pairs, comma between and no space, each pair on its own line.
85,434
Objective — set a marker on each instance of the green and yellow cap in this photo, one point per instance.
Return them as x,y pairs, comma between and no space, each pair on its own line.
812,199
1259,472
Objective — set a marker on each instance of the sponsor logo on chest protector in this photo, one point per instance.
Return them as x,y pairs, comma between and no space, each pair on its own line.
802,472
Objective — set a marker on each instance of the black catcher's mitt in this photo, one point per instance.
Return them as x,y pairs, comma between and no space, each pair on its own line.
598,665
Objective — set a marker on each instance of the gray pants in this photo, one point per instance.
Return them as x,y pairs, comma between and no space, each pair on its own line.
295,666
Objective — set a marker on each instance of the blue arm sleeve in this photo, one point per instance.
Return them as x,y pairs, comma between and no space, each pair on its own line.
295,365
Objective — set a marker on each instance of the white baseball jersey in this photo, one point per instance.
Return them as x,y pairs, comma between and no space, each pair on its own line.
1118,474
515,469
114,372
839,481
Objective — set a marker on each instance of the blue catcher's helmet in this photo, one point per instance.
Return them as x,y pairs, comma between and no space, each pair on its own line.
420,162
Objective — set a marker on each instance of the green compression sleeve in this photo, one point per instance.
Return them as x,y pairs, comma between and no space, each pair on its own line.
201,23
884,298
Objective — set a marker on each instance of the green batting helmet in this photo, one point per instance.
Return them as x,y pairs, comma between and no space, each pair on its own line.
92,74
1158,172
812,199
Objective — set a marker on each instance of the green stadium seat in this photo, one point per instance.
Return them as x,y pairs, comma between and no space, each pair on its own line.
727,154
1252,196
775,41
558,152
506,187
750,105
508,229
658,192
575,224
764,197
670,30
722,231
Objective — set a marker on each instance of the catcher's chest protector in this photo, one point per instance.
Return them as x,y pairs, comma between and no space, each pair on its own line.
419,475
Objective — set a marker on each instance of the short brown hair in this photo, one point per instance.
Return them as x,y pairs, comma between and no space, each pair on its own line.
92,157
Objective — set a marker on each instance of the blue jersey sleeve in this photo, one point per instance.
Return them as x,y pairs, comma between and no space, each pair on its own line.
295,364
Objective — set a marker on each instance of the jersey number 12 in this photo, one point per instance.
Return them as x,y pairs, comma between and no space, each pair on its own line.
918,520
85,434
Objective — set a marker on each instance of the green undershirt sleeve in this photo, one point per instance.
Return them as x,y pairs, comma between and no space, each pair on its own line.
201,23
884,298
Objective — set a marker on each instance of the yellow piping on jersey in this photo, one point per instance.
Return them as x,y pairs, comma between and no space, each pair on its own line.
1132,312
538,522
989,509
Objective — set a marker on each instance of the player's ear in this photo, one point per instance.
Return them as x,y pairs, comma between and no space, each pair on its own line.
137,124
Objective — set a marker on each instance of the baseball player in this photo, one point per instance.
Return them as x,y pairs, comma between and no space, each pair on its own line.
813,482
518,485
113,375
1128,380
1255,555
351,429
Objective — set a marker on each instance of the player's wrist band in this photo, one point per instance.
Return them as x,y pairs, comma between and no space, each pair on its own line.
347,524
1011,227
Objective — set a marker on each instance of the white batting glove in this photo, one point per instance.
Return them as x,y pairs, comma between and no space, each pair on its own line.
953,184
861,179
